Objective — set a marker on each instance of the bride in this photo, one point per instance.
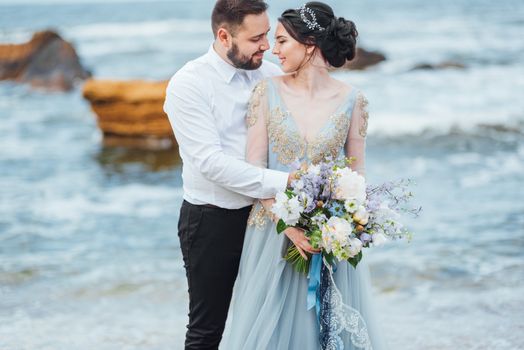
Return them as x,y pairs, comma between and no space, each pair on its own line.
305,115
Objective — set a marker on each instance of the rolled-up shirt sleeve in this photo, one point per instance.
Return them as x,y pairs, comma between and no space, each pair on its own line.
190,114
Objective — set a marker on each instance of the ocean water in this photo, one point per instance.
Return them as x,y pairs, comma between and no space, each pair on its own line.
89,253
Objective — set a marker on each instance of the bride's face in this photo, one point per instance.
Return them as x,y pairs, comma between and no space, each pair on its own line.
291,53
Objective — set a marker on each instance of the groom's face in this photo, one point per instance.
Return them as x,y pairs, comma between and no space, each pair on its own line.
249,42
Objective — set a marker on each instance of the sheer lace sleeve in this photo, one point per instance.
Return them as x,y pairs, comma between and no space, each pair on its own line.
257,145
256,119
356,141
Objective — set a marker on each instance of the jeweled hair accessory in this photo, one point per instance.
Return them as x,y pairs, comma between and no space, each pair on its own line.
311,22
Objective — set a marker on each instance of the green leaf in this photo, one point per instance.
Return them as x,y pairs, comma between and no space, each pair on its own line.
330,258
315,242
355,260
317,211
315,238
281,226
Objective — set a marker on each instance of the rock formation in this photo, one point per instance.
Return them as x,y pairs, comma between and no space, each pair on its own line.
442,65
130,113
46,61
364,59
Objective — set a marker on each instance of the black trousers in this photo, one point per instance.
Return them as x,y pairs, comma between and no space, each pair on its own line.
211,240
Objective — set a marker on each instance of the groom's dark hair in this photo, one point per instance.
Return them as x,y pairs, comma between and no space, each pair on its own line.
231,13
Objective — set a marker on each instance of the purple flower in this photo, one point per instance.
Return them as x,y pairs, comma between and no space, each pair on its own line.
295,165
373,204
365,238
311,204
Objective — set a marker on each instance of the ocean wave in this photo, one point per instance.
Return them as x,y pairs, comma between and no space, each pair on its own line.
138,30
495,169
414,125
141,201
129,50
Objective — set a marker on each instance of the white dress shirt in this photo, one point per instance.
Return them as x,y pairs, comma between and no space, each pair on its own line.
206,102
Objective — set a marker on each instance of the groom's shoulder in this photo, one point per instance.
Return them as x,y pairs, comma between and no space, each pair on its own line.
190,76
192,69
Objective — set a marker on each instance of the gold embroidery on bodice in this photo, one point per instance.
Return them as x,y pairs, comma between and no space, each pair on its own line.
289,145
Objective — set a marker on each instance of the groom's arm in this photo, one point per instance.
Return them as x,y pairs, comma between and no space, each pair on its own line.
189,112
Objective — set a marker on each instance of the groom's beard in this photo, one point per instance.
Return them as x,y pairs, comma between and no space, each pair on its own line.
241,61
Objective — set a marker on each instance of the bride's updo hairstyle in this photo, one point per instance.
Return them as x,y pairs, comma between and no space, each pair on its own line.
315,24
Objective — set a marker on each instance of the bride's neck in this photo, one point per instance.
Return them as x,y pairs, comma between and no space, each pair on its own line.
311,79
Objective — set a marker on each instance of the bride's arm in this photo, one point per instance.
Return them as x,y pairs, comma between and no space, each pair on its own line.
257,137
257,154
356,141
256,120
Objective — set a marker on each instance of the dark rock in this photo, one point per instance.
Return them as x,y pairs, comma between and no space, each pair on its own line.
364,59
442,65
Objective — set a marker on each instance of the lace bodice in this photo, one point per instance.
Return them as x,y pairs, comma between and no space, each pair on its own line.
275,140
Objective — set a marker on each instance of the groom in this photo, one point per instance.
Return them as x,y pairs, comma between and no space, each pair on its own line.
206,102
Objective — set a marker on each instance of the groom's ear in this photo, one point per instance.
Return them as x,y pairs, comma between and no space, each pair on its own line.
224,37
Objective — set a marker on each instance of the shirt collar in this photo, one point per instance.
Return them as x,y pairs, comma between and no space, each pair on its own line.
224,69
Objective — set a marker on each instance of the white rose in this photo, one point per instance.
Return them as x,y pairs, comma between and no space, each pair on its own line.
355,246
340,228
327,240
350,185
378,239
361,215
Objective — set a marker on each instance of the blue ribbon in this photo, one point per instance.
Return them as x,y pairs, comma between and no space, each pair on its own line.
313,295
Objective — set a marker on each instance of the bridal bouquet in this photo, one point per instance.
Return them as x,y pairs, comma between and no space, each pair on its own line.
339,213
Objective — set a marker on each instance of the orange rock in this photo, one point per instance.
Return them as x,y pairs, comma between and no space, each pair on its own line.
131,109
98,90
46,61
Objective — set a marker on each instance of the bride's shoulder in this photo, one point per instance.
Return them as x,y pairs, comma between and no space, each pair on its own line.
359,96
345,87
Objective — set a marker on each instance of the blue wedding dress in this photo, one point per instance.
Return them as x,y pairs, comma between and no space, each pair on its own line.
269,309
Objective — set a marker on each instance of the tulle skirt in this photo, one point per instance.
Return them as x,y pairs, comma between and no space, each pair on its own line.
268,310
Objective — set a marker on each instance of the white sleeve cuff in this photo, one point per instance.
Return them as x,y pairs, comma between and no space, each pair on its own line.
274,181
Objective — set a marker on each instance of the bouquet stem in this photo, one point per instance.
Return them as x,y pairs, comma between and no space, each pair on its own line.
300,264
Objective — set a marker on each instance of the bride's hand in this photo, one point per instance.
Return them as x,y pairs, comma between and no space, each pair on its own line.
300,240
